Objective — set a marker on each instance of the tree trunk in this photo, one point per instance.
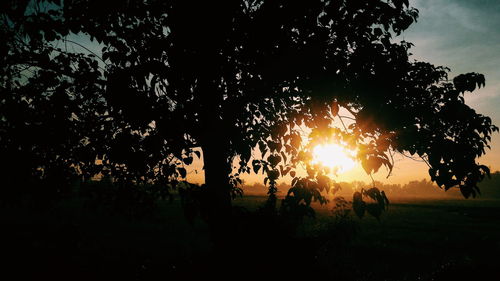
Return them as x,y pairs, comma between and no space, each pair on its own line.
217,168
215,145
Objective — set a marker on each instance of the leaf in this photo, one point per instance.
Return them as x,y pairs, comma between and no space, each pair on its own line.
372,164
386,41
274,160
182,172
323,181
308,198
374,209
384,197
366,166
198,154
188,160
388,164
285,171
358,205
335,108
273,174
256,166
382,144
377,163
336,188
373,193
296,141
466,191
468,81
263,148
284,156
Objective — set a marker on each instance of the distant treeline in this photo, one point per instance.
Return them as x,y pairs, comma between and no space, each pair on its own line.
490,189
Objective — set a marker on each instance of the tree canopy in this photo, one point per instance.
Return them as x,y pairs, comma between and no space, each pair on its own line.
230,77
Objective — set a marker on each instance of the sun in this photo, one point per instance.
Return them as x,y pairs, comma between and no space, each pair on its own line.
334,156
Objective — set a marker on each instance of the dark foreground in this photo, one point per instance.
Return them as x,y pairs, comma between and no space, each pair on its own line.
414,240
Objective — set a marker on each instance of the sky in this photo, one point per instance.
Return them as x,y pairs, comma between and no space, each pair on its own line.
463,35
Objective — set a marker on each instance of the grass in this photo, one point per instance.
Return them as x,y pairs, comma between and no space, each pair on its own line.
431,240
414,240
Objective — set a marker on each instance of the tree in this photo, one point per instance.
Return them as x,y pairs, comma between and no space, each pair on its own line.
243,75
50,107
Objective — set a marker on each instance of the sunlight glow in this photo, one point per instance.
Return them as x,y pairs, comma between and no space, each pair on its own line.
334,156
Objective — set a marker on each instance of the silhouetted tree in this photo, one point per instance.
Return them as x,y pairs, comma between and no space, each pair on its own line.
50,106
231,76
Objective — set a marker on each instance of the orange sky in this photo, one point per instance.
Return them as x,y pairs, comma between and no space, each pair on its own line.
404,170
462,35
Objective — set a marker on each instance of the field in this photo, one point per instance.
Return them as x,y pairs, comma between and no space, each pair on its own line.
414,240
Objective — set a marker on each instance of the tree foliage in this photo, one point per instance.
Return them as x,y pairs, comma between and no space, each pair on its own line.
232,78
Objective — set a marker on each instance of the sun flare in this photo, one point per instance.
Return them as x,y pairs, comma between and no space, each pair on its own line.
335,157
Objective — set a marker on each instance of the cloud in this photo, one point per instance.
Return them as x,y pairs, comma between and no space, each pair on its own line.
462,35
452,13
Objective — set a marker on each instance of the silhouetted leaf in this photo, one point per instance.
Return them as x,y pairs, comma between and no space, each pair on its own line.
358,205
256,166
188,160
182,172
335,108
198,154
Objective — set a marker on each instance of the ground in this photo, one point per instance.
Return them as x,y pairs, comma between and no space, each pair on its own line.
414,240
